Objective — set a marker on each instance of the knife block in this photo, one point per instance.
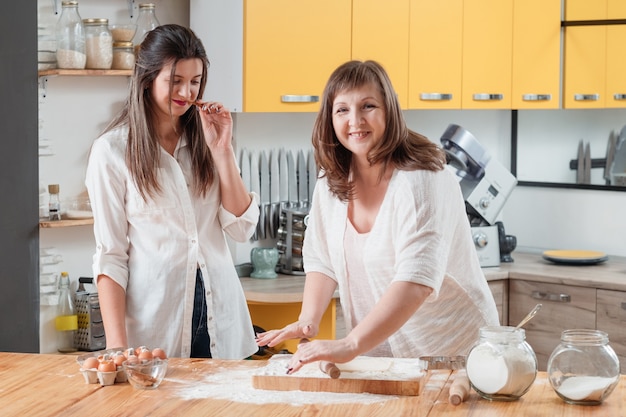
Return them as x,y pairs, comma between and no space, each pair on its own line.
293,220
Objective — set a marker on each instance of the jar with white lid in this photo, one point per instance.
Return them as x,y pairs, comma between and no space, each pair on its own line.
70,37
583,368
98,44
501,365
123,56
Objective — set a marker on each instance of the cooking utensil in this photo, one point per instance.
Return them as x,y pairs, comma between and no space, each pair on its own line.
293,180
255,185
312,174
443,362
303,181
459,389
587,165
529,316
274,213
283,172
264,170
580,168
610,155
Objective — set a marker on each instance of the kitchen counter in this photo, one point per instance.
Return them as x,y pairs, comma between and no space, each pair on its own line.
527,266
51,385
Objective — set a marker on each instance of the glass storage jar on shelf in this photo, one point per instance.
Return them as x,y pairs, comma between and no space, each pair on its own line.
583,368
123,56
502,365
146,21
70,34
98,44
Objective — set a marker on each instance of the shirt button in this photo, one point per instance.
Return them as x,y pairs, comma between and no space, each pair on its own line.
193,241
210,318
201,265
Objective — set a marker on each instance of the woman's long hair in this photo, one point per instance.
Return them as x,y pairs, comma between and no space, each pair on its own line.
400,147
164,45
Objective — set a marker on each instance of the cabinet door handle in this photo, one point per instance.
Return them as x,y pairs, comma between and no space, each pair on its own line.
562,298
586,97
293,98
487,97
537,97
435,96
619,96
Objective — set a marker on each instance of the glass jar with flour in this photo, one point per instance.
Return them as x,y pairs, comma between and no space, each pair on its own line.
70,34
583,368
502,365
98,44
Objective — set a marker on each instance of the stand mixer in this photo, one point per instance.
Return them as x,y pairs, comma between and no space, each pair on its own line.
486,185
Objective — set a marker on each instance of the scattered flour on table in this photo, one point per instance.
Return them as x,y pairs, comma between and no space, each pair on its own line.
234,384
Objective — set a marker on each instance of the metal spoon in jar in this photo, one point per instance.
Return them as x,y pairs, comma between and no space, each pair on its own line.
529,316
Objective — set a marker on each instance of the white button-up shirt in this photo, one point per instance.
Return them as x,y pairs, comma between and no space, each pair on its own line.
422,235
152,249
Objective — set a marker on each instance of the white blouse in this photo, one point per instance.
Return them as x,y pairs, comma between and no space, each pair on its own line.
421,234
153,249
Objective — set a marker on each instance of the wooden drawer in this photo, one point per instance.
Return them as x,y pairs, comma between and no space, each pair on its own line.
611,318
564,307
500,291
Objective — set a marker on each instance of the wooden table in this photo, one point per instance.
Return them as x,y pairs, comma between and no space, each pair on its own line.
51,385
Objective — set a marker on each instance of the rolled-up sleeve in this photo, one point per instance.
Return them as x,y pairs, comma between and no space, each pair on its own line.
240,228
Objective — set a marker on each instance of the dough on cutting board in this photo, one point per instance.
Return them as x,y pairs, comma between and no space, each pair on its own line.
361,367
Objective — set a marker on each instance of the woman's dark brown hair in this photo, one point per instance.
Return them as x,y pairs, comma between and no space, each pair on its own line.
164,45
400,147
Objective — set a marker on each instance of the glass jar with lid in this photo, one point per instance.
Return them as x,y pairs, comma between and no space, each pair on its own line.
583,368
146,21
501,365
123,56
98,44
70,36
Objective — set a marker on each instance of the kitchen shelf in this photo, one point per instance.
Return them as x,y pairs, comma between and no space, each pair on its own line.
64,223
89,72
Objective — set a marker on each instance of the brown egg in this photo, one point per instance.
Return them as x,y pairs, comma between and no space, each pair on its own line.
145,355
119,358
159,353
107,365
91,363
132,359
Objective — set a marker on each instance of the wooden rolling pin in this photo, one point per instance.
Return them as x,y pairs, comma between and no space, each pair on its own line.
459,389
328,368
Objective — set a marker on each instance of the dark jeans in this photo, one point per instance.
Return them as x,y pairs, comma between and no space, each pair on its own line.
200,342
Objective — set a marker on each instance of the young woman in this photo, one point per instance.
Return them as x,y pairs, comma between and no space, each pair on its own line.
165,191
388,228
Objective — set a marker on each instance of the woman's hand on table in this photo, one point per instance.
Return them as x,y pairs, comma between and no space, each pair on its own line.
297,330
335,351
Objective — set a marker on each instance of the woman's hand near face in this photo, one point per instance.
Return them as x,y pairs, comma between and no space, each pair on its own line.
217,123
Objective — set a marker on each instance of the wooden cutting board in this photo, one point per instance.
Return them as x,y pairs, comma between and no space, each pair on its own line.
364,375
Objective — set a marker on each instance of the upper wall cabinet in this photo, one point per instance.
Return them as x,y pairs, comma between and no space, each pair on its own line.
594,62
484,54
536,78
435,54
272,56
380,31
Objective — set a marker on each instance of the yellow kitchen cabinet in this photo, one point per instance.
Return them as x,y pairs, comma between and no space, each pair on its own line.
290,50
487,51
536,74
272,56
563,307
271,316
611,318
380,31
615,66
435,54
616,9
584,74
585,9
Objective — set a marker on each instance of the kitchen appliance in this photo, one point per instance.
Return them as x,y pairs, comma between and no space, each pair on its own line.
486,185
90,334
293,222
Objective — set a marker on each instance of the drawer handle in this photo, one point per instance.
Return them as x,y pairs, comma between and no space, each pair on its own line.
292,98
586,97
619,96
435,96
562,298
537,97
487,97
